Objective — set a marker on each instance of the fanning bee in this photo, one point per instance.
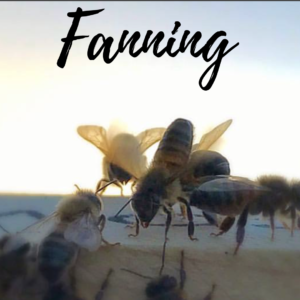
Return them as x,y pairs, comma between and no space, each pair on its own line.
175,170
283,199
229,196
79,219
166,287
124,158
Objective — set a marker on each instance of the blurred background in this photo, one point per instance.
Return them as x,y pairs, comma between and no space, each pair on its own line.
41,105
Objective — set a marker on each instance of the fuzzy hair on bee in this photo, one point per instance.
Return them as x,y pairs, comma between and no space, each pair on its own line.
82,201
79,217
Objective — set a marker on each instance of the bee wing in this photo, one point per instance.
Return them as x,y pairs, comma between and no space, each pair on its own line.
84,232
149,137
95,135
40,229
224,183
211,137
125,153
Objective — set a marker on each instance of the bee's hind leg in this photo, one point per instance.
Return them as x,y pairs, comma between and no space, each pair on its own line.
101,224
191,226
225,226
104,285
240,234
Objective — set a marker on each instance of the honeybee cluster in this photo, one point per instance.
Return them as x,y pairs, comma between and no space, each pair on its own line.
182,172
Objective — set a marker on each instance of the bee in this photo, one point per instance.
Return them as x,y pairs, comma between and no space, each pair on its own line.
229,196
173,166
56,260
166,287
124,158
79,216
282,199
18,277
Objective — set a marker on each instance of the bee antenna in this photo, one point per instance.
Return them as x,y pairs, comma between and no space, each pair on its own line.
77,187
135,273
99,190
123,207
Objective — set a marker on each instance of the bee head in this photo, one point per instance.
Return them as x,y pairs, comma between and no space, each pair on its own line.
160,286
148,197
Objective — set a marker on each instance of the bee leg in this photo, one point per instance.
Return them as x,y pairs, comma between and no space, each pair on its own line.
168,223
210,218
191,226
293,216
99,185
132,186
209,296
272,225
240,234
298,222
183,211
101,224
182,271
104,285
137,228
225,226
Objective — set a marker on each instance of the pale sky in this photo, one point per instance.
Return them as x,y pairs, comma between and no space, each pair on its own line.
41,105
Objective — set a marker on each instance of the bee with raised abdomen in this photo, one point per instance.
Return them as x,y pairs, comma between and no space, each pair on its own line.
160,188
174,166
229,196
124,158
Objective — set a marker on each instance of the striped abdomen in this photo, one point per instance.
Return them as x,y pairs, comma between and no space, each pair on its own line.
175,147
56,256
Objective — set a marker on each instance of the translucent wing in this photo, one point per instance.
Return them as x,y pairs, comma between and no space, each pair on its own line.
84,232
230,184
211,137
40,229
149,137
95,135
125,153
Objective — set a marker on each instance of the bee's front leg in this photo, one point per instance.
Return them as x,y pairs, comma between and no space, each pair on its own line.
137,227
101,224
168,224
104,285
240,234
191,226
225,226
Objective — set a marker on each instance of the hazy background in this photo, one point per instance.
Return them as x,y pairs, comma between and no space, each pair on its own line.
41,105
